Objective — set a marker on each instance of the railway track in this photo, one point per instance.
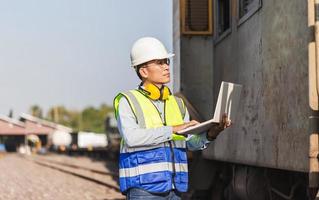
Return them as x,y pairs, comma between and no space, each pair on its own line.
107,179
113,174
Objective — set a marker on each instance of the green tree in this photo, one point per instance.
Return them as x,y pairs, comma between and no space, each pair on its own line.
90,119
36,111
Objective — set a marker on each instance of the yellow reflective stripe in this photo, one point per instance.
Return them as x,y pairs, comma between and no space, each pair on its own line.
151,168
176,137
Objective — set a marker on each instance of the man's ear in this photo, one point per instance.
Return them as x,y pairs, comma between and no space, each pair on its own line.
143,72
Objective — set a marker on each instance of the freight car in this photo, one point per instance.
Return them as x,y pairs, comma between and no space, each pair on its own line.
113,136
271,48
81,143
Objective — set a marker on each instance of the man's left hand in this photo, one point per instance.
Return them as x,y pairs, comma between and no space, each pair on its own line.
214,131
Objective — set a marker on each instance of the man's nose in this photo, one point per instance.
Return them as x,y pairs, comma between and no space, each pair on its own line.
165,67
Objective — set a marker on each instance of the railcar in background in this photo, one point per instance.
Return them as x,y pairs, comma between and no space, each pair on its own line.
270,47
113,136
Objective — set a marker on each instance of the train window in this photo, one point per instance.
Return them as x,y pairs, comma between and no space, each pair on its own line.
223,15
247,8
196,17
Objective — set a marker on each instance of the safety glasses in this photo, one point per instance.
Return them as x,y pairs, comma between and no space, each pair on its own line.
159,62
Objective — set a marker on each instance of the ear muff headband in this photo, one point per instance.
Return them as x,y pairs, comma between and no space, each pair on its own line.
155,93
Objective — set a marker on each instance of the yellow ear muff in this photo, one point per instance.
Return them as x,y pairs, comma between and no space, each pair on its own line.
154,92
165,93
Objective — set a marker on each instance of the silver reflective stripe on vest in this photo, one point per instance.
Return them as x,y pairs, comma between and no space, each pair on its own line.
176,144
153,167
179,144
127,149
181,106
138,109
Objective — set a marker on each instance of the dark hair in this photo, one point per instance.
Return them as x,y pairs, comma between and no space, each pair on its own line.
137,69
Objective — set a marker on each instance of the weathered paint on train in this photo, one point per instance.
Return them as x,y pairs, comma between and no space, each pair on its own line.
268,55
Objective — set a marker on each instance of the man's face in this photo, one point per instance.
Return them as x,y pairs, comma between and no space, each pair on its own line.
156,71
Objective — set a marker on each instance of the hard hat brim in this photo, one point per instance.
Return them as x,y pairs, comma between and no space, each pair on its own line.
169,55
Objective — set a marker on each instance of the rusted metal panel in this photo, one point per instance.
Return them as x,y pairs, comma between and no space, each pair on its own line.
271,61
268,55
196,72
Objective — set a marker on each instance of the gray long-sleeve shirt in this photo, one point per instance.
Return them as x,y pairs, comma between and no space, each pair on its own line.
134,136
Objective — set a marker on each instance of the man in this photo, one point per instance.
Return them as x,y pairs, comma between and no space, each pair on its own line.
153,162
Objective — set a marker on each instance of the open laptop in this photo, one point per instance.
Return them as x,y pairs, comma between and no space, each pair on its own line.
227,102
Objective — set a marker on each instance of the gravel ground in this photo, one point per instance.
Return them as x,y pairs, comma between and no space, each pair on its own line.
23,179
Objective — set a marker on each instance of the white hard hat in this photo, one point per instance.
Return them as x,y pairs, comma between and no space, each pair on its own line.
146,49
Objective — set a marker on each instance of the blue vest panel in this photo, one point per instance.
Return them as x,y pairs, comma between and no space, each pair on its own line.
153,170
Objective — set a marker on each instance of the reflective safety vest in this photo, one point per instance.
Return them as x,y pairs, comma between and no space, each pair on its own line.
156,168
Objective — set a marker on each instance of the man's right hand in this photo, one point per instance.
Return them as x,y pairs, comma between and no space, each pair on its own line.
185,125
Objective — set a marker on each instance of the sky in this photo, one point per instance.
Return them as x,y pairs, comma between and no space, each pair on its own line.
73,52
